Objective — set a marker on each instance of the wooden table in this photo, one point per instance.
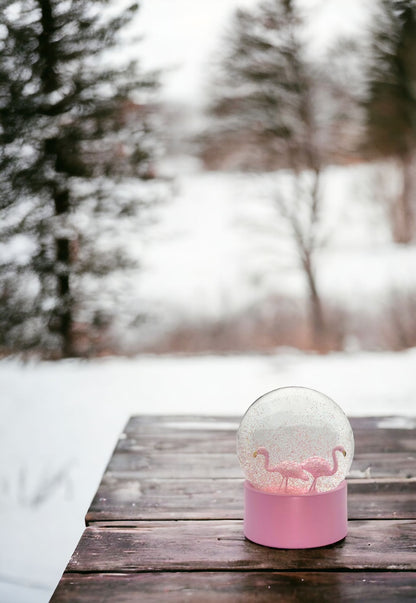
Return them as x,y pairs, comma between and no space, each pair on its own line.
166,523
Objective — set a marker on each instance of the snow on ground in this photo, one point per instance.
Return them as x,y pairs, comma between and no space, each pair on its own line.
60,422
221,245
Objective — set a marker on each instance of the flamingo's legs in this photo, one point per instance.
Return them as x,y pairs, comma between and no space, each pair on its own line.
281,481
313,485
286,479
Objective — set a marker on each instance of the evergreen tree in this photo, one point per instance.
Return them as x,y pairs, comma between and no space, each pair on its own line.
268,86
271,92
70,128
391,102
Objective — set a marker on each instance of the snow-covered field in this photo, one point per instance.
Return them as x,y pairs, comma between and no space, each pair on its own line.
220,245
60,421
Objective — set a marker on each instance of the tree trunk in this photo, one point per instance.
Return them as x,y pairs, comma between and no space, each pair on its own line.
63,324
305,239
63,270
317,320
402,211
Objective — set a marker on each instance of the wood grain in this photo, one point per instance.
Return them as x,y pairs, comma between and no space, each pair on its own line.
214,465
220,545
224,443
241,587
166,523
122,498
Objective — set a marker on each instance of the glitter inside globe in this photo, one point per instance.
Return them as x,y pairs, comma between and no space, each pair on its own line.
295,440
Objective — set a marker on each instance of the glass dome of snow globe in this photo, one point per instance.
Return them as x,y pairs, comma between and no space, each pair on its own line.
295,446
295,440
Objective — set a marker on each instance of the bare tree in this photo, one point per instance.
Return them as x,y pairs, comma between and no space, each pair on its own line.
274,94
302,214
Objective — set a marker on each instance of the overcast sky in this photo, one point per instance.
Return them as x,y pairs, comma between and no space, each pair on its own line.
183,35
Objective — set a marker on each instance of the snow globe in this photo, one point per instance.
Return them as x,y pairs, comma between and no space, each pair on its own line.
295,446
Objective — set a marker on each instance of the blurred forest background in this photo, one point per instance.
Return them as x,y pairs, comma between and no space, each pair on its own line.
279,209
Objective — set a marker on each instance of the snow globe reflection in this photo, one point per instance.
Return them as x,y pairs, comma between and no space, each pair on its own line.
294,443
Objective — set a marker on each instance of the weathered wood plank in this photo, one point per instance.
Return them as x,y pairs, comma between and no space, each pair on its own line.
244,587
383,422
121,498
157,424
224,442
182,441
176,466
220,436
220,545
126,499
384,440
390,465
372,434
213,464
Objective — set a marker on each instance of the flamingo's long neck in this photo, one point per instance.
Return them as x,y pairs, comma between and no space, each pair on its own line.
266,461
335,467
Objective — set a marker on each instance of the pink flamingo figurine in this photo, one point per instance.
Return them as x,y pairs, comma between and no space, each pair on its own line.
318,467
285,468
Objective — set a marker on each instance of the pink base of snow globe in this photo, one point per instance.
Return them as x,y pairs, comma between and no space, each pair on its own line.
288,521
